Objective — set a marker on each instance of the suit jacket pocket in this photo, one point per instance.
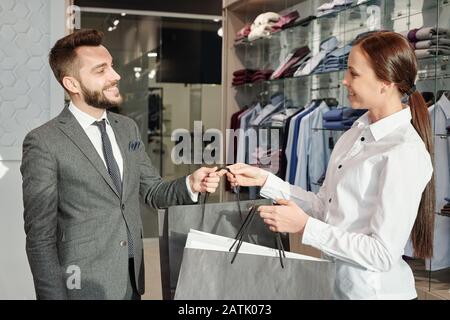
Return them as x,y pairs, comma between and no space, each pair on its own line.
79,231
74,252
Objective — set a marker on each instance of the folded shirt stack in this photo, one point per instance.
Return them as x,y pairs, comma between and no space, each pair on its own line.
341,118
243,33
262,26
429,41
290,64
261,75
242,76
335,60
309,65
285,21
333,6
265,24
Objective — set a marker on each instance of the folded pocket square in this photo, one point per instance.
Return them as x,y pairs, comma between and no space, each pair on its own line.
133,145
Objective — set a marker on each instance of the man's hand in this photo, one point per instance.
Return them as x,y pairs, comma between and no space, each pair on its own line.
204,180
285,217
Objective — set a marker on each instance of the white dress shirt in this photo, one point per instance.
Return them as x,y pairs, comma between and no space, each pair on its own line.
362,216
93,132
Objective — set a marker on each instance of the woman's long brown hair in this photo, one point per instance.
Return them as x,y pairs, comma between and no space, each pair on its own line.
393,60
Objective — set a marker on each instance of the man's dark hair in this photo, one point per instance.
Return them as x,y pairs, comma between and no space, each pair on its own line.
63,57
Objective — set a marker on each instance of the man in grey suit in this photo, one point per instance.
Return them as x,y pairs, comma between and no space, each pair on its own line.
83,173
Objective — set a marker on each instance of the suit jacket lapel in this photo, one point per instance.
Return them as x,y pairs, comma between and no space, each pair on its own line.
72,129
122,140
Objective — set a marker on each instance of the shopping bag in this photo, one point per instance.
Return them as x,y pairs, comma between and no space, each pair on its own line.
223,219
256,273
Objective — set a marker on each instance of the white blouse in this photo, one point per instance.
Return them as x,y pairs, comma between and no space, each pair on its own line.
363,215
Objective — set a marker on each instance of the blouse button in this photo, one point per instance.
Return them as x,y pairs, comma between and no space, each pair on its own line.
362,139
329,200
340,166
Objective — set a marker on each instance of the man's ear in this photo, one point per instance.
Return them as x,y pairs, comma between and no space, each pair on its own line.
71,84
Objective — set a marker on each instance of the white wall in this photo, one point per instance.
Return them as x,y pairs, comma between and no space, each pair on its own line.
15,276
28,97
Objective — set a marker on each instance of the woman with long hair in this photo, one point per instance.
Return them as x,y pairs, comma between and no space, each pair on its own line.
379,189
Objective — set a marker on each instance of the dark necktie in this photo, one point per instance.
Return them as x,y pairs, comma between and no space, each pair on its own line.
113,170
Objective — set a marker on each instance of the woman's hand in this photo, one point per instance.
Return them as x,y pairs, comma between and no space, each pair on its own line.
284,217
247,176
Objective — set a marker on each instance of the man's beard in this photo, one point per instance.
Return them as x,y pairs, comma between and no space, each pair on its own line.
98,100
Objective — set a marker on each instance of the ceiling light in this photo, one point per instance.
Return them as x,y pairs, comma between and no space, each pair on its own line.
152,54
123,14
220,32
116,22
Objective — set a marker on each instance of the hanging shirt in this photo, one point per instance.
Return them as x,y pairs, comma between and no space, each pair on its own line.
439,116
275,106
244,119
292,138
232,140
308,154
293,161
362,216
285,146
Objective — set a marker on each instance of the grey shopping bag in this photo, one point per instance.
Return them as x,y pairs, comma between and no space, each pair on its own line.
207,273
218,218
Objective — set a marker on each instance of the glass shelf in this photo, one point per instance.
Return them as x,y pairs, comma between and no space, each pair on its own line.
296,79
433,67
319,20
349,8
441,59
405,9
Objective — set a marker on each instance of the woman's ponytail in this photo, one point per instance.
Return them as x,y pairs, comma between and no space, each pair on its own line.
422,232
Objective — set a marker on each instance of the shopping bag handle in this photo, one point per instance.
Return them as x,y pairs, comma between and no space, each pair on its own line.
236,191
243,230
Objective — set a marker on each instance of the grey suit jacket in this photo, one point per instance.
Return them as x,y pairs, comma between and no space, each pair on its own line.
74,218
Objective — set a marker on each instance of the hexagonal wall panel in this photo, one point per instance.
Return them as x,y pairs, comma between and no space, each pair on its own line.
25,75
